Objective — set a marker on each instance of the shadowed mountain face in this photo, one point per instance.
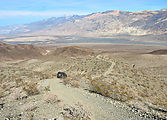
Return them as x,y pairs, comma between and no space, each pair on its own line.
104,23
159,52
8,51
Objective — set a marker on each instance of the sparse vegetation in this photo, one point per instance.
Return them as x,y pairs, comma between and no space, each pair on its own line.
101,74
47,88
1,94
31,88
51,98
113,90
71,81
76,113
75,83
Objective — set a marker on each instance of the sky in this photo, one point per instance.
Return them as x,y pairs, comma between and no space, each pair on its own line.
26,11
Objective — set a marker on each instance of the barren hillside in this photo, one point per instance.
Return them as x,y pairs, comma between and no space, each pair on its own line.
72,51
8,51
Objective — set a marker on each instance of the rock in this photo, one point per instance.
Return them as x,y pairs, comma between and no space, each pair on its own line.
76,112
51,98
17,94
29,107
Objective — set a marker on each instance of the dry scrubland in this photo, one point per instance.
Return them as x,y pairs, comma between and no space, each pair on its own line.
133,80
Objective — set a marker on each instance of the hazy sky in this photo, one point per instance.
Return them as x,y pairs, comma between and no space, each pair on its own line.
26,11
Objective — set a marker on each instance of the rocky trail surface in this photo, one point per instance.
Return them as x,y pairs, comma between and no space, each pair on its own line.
99,107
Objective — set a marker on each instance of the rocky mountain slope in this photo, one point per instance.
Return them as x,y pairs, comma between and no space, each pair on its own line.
36,26
117,22
102,23
120,22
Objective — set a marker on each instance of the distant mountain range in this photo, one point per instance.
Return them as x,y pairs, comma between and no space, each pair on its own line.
112,22
39,25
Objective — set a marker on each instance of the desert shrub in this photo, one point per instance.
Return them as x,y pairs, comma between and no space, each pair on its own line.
7,86
159,101
71,81
113,90
43,76
143,94
31,88
66,81
47,88
1,94
17,94
51,98
77,112
4,86
18,82
74,83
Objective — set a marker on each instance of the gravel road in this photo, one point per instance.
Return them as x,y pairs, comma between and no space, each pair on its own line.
101,108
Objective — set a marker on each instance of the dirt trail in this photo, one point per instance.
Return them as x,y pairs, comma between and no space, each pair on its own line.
111,68
101,108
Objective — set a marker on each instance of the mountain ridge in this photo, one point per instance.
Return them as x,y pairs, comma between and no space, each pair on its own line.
100,23
35,26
